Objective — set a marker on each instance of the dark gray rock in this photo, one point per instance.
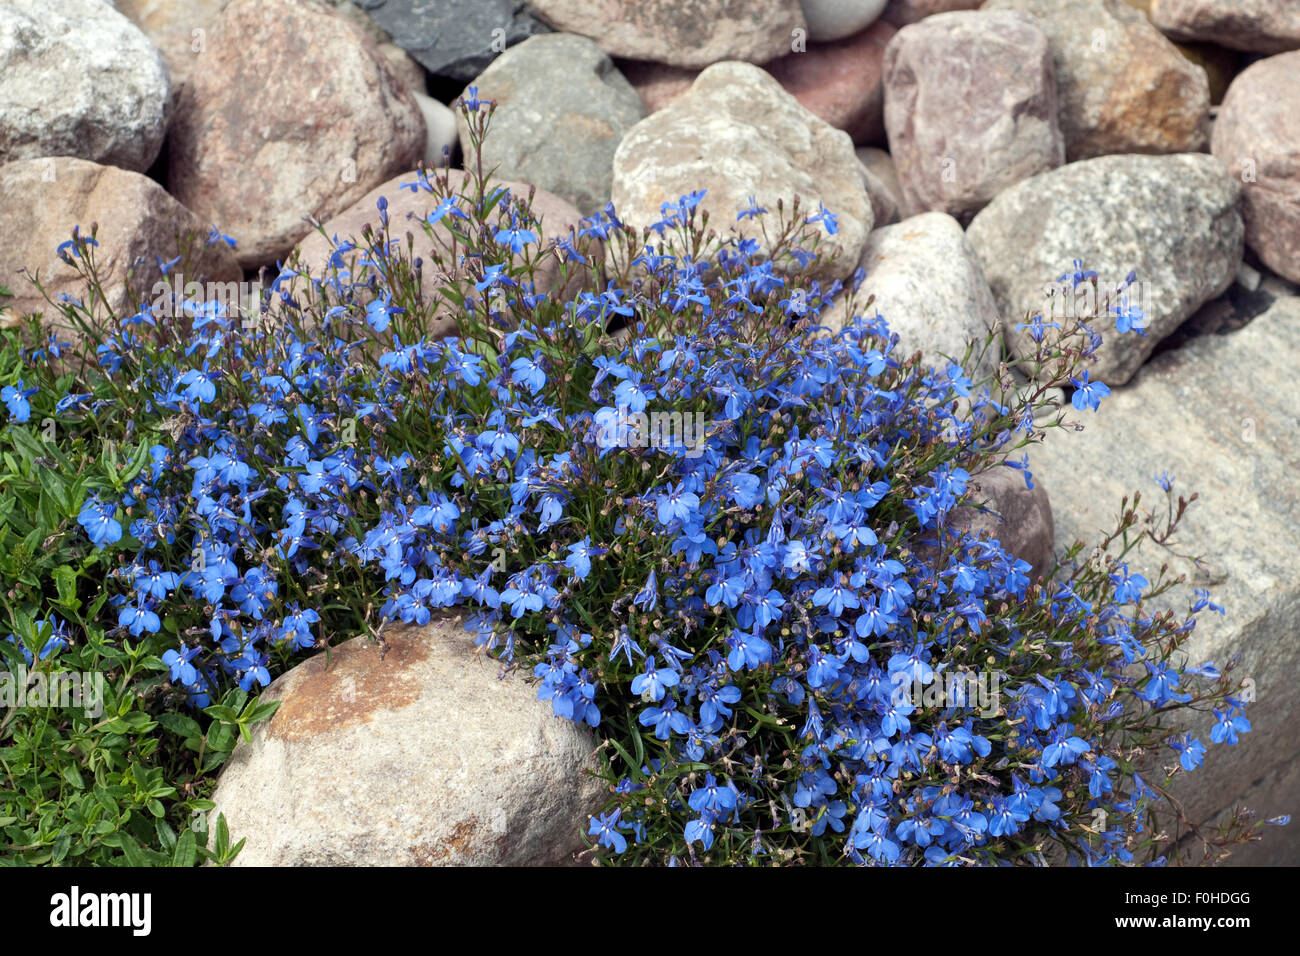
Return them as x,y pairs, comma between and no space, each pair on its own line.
454,38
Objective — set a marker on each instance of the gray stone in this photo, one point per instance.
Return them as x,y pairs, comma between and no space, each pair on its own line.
561,111
737,134
412,754
681,32
837,19
1257,136
970,109
1256,26
1121,86
454,38
296,114
42,199
1220,415
1174,220
928,286
79,79
883,186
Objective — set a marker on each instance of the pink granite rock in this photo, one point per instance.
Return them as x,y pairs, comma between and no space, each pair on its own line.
841,81
1257,136
1256,26
296,113
970,109
41,200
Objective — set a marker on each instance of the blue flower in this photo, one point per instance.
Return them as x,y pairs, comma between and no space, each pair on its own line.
1227,725
1087,394
515,238
15,399
605,827
98,519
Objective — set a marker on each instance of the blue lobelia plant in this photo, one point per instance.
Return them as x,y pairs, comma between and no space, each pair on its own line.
715,531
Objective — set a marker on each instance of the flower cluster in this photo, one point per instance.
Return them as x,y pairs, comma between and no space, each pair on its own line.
740,620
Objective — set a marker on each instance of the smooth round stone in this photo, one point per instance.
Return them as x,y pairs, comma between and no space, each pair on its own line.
837,19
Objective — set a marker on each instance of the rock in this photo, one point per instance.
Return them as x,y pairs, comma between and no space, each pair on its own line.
658,84
453,38
405,208
403,67
1172,219
351,10
884,203
837,19
736,133
882,184
441,136
841,81
1219,414
296,115
1255,26
178,28
970,109
561,111
681,32
1257,136
1016,516
902,12
42,199
1121,86
414,754
80,80
929,287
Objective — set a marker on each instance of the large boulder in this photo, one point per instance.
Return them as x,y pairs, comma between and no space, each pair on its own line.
561,111
738,134
79,79
1122,86
1257,136
41,200
1219,414
970,109
414,753
1256,26
1174,220
928,285
681,32
296,114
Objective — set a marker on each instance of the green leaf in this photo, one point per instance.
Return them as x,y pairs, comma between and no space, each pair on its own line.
186,850
65,582
73,776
